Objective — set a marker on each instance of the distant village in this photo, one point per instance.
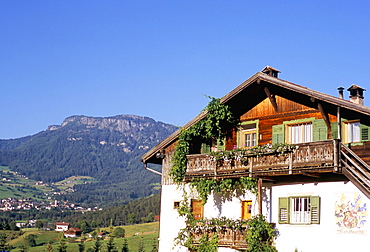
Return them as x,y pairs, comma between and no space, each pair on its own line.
11,204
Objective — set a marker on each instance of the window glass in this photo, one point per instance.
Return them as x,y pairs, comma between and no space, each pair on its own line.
299,133
300,211
248,135
353,132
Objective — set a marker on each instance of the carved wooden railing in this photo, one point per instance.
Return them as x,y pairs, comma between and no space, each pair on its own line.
313,154
226,237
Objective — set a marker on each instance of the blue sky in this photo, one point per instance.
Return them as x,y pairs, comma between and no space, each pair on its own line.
160,58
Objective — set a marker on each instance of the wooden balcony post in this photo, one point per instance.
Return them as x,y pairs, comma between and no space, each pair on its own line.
259,187
290,163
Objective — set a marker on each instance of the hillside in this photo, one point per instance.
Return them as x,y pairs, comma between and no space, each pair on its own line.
107,149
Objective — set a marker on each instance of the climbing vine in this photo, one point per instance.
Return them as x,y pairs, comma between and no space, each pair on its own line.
259,234
218,121
224,187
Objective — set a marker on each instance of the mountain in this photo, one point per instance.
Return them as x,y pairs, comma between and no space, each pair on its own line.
105,148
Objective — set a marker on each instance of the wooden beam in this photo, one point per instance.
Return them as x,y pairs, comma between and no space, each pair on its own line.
272,99
259,187
312,174
326,119
270,179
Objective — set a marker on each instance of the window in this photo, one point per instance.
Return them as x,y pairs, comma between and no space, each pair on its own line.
299,210
246,209
176,204
299,133
248,135
197,209
352,132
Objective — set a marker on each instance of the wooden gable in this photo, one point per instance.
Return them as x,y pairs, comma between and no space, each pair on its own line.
266,108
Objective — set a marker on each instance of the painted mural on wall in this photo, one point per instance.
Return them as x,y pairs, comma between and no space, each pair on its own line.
351,214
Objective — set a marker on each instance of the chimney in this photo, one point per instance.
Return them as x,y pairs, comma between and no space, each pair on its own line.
356,94
340,91
271,71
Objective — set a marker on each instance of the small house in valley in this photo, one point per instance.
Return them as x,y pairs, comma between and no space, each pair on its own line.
73,232
61,226
274,152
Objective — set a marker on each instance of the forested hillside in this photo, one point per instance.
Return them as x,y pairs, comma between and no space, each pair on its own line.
107,149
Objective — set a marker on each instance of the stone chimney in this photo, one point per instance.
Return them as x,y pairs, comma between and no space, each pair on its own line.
356,94
271,71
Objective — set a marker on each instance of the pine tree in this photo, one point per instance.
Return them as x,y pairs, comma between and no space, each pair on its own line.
154,249
62,245
141,246
110,245
125,246
81,246
3,245
97,245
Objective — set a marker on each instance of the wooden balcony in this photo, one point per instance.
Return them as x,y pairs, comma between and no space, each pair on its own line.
320,156
226,237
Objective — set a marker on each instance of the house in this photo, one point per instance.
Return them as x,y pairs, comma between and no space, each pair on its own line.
73,232
307,153
61,226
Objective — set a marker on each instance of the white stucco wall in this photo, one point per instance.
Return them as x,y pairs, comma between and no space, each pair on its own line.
215,207
328,235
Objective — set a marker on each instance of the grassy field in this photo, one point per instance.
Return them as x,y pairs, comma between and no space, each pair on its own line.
146,233
16,186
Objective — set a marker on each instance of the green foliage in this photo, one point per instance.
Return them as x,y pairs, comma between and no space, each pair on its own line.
110,246
49,248
30,240
217,124
208,244
141,246
260,235
119,232
62,244
81,246
125,246
259,232
241,155
4,246
225,187
97,245
179,159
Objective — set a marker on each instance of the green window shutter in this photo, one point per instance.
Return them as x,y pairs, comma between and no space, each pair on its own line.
365,133
284,210
278,134
315,209
205,148
320,132
334,130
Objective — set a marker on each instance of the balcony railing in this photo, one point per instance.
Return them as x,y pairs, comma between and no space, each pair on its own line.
318,154
226,237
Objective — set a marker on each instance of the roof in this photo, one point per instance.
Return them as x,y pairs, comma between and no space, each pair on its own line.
278,86
62,223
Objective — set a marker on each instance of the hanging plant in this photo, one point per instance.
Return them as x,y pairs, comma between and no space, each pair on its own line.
241,155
